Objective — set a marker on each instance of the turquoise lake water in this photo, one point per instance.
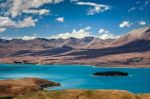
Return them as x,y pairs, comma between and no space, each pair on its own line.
78,76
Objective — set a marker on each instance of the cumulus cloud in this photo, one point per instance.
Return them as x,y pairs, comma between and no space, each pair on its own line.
125,24
19,13
101,31
19,6
81,33
142,22
105,34
8,23
27,22
60,19
85,32
94,7
2,29
40,12
28,37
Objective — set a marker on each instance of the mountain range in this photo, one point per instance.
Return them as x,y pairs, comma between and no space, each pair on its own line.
131,49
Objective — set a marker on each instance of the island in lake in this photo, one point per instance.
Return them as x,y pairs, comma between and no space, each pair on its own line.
111,73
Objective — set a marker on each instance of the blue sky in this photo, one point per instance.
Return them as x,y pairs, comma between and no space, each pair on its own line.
71,18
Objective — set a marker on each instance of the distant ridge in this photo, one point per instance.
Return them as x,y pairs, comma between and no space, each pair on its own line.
132,48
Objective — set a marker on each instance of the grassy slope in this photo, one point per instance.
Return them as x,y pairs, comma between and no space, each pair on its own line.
84,94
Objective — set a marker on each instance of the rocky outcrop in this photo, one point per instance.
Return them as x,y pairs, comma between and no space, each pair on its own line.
111,73
23,86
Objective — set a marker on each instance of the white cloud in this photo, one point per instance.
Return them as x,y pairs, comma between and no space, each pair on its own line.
27,37
74,0
75,33
88,28
94,7
143,5
19,6
137,2
19,13
58,1
2,29
85,32
125,24
60,19
140,5
27,22
101,31
6,22
131,9
105,34
142,22
40,12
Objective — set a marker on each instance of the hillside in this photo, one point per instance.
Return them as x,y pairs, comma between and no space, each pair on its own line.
25,85
134,35
84,94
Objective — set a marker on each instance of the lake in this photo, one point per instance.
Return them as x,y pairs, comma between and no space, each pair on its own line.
78,76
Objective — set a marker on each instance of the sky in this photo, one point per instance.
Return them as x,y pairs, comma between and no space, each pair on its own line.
29,19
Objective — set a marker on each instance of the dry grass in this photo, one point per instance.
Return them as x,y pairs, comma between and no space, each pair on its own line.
22,86
84,94
144,96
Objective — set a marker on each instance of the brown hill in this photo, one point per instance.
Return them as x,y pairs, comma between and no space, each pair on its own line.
24,85
134,35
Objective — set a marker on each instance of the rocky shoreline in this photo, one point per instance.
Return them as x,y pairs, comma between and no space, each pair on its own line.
87,62
107,61
91,64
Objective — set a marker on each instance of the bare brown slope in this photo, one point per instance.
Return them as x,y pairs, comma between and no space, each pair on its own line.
24,85
134,35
